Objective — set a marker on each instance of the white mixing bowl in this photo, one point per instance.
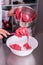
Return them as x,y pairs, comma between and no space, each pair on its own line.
32,41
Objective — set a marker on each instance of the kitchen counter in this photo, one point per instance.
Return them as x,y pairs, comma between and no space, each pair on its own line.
8,58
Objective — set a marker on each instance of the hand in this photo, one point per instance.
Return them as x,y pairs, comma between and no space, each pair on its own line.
11,12
4,33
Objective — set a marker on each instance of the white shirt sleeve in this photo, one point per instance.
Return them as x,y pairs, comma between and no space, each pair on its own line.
1,1
0,13
5,15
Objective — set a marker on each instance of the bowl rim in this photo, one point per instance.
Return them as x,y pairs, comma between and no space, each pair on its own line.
22,50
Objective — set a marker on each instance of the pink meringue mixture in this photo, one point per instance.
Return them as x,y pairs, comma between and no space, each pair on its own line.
22,31
24,14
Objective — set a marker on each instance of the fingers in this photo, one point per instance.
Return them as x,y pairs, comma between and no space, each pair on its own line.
4,33
1,37
11,12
